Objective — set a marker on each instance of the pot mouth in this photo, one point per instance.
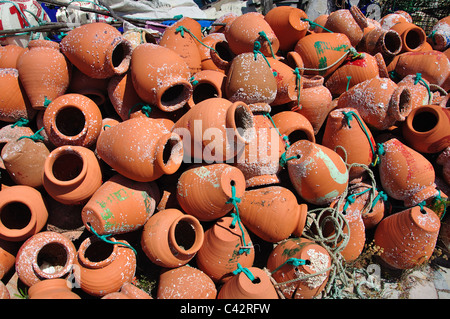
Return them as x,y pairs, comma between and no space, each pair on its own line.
414,39
70,122
222,53
65,166
401,104
119,58
423,120
203,90
170,152
240,120
95,253
16,219
392,42
174,95
186,235
52,260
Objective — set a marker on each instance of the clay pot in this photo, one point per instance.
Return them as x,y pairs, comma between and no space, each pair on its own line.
259,286
152,150
185,282
12,132
413,37
418,90
120,205
434,66
46,255
71,174
8,251
317,260
206,84
345,129
219,25
288,84
315,101
391,19
184,43
259,161
379,40
286,22
350,22
354,71
225,245
379,101
250,79
14,103
318,174
22,212
52,289
261,209
319,23
426,129
101,268
444,160
323,53
4,293
138,36
72,119
97,49
157,84
9,54
440,34
133,292
405,174
245,29
408,238
123,96
171,238
24,161
215,54
95,89
203,191
209,130
294,125
44,72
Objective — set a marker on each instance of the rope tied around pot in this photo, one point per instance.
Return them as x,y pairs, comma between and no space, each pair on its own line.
314,24
291,261
352,51
236,219
265,37
244,270
21,122
181,29
36,137
256,51
418,79
298,79
105,239
145,108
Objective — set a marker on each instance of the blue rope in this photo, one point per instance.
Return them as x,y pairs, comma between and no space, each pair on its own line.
106,240
245,271
291,261
236,219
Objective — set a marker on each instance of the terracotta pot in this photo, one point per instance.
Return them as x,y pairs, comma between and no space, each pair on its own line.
171,238
440,34
209,130
444,160
152,150
72,119
138,36
8,252
259,286
345,129
250,79
317,260
183,42
434,66
318,174
9,54
12,132
354,71
52,289
44,72
319,23
418,90
22,212
185,282
323,53
96,58
71,174
245,29
4,293
262,208
24,161
379,40
288,84
203,191
206,84
167,88
133,292
120,205
46,255
259,161
14,103
95,89
408,238
294,125
220,57
426,129
286,22
315,101
350,22
101,268
392,19
380,102
225,245
413,37
219,25
405,174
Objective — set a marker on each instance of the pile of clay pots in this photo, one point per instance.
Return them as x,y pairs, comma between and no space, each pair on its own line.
192,149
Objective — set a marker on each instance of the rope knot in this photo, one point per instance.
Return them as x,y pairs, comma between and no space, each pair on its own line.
35,137
246,271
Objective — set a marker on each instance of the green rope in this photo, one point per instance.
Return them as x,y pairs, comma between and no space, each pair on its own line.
349,116
235,200
193,80
256,51
380,195
298,79
314,24
438,203
183,29
46,101
145,108
246,271
264,35
21,122
418,79
432,37
351,199
291,261
348,82
106,240
35,137
354,53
